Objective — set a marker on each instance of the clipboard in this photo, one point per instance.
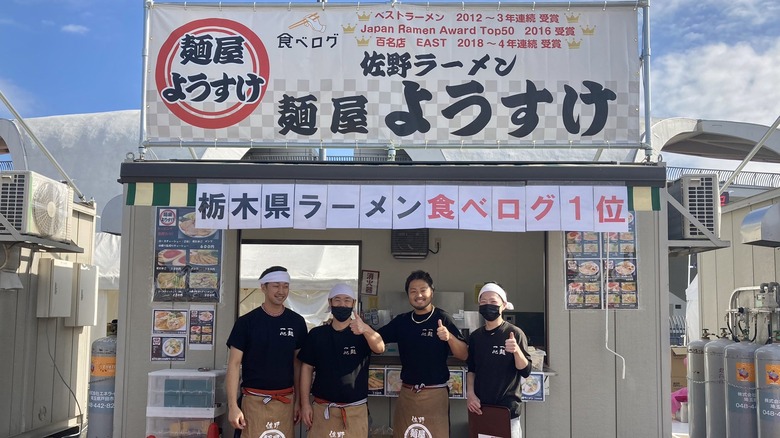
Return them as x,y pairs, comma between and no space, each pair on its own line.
493,423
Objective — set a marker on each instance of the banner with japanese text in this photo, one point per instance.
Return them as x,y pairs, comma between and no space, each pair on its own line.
499,208
378,73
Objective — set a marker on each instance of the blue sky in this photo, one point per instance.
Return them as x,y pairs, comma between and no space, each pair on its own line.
717,59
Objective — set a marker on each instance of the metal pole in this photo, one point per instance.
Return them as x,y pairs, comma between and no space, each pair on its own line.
145,67
43,148
646,77
752,154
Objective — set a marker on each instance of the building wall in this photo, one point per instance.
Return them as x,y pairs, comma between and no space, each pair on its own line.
740,265
588,395
35,400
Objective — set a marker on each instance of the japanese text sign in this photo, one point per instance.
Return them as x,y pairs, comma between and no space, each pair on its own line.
381,73
499,208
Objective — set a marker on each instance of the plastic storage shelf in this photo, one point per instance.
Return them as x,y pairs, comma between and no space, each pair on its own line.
184,388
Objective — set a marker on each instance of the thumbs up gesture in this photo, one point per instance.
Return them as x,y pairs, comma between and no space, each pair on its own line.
357,325
510,345
442,332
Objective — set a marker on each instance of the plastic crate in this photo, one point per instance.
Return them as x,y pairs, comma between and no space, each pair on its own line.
168,427
184,388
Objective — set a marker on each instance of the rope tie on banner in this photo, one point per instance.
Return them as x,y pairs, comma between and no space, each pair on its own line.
185,6
463,6
636,6
220,6
289,6
605,6
499,6
323,5
358,7
569,8
428,6
533,7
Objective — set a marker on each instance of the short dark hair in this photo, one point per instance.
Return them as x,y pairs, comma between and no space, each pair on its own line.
273,269
418,275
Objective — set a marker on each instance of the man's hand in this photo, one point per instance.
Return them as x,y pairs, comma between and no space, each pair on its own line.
473,403
236,418
510,345
442,332
357,325
306,415
296,411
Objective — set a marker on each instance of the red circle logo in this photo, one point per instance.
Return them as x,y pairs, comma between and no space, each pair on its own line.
212,73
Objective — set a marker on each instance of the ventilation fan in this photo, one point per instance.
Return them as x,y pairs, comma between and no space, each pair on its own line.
36,205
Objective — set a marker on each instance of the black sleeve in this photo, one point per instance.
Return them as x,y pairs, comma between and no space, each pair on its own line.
389,332
525,372
237,336
302,331
307,352
470,363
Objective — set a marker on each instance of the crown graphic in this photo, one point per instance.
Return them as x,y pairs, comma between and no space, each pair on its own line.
348,28
363,41
365,16
574,44
587,30
572,18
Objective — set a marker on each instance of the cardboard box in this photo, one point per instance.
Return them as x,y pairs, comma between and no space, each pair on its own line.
679,370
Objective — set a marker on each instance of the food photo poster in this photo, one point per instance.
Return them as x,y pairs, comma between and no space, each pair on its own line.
201,332
187,259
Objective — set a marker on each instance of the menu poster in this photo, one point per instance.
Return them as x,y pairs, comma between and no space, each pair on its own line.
392,382
601,269
168,348
169,322
376,381
457,384
201,327
187,259
532,387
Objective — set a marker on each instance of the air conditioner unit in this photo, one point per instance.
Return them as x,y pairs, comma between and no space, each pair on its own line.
700,196
409,244
36,205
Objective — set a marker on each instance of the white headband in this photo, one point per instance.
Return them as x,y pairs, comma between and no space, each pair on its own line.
492,287
342,289
275,277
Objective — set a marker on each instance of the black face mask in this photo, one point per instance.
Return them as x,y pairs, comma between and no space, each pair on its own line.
490,312
341,313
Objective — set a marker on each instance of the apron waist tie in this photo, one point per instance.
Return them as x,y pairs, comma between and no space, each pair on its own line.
420,386
279,394
341,406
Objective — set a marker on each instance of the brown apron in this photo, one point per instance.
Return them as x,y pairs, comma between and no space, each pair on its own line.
352,421
423,414
268,416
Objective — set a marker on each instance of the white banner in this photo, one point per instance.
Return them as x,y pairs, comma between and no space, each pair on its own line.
408,74
499,208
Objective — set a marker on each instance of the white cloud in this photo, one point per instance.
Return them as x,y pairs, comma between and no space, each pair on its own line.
719,81
22,101
751,11
75,28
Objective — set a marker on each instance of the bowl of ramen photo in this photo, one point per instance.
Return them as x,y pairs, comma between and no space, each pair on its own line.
169,320
589,268
531,385
187,227
173,347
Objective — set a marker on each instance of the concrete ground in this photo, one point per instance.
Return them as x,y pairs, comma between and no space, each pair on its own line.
679,430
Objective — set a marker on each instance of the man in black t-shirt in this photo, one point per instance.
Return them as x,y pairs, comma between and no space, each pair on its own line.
425,337
339,352
498,358
263,347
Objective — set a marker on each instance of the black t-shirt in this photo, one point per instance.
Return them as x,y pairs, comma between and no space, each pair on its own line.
340,360
269,345
423,354
496,380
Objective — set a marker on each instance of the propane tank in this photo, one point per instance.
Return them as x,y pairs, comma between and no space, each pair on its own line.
741,420
697,416
100,410
715,389
768,388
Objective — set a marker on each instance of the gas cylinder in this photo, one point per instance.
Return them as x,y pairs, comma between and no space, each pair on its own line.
714,388
697,416
768,389
100,409
740,369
